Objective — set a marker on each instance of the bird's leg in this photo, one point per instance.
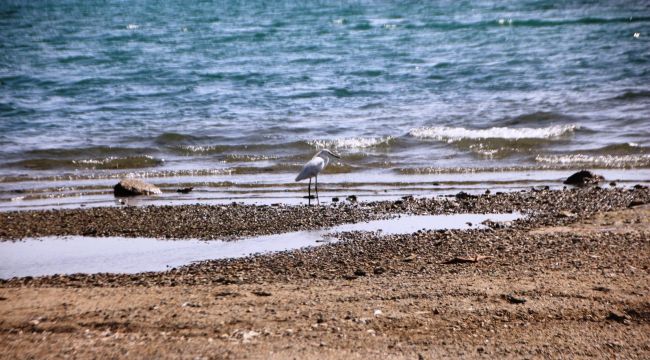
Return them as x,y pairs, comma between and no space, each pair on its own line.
317,198
309,190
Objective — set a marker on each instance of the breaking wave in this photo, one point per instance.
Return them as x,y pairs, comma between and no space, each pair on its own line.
352,143
226,149
455,134
269,151
109,163
283,168
605,161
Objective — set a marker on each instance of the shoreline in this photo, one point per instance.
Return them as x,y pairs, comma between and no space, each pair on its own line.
279,188
569,278
224,222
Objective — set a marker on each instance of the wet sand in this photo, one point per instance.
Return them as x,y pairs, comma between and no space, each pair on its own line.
571,279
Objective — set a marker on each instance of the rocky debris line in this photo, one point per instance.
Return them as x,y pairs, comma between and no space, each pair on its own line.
206,222
584,178
134,187
209,222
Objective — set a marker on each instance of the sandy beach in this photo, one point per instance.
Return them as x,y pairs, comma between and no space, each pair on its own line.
324,180
570,279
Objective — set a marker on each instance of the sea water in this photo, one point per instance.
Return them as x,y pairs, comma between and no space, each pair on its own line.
216,94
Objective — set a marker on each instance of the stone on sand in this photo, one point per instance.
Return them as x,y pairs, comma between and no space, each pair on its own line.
133,187
584,178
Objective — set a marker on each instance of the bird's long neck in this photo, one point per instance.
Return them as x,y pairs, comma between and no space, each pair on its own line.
325,158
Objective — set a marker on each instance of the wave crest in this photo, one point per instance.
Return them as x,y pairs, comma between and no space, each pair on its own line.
352,143
606,161
108,163
172,138
455,134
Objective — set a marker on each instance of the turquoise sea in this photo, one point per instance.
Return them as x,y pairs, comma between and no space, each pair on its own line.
233,96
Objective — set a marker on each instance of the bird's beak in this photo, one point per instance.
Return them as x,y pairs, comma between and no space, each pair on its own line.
335,155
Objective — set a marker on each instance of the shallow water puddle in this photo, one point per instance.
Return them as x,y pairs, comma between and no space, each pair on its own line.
80,254
407,224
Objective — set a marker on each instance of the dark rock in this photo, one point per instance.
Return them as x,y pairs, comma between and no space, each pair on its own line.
515,300
379,270
186,190
463,195
612,184
261,293
493,224
335,199
89,232
634,203
618,317
352,198
133,187
360,272
639,187
584,178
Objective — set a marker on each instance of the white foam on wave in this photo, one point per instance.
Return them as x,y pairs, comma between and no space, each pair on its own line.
198,148
110,159
351,143
614,161
483,150
385,23
454,134
249,157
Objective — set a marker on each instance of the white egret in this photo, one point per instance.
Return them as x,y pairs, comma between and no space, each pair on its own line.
314,166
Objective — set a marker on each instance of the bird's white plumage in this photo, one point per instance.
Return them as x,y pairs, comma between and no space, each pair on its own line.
316,164
312,168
